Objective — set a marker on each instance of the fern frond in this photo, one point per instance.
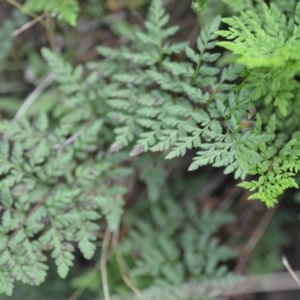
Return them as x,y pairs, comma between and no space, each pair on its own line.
265,43
67,10
160,264
46,184
275,175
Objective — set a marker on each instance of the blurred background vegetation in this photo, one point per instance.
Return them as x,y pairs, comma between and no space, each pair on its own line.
151,253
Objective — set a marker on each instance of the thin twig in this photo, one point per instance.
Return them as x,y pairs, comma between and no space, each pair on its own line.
28,25
69,140
124,273
223,287
79,291
103,260
229,198
123,266
33,96
290,270
76,294
21,7
115,238
251,244
211,186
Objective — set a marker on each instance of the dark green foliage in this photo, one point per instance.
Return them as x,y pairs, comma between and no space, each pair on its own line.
166,253
165,105
53,287
64,172
158,120
6,34
56,183
161,253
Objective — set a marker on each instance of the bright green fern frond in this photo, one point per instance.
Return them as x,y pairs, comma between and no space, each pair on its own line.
276,175
66,10
262,43
266,42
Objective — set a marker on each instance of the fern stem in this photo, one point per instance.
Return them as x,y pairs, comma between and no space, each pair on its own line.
193,81
33,96
28,25
50,31
103,263
161,55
